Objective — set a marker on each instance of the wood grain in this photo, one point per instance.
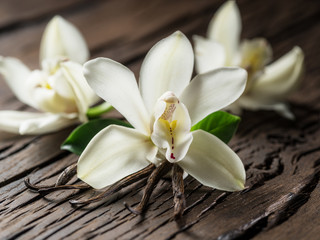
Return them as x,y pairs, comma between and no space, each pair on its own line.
281,157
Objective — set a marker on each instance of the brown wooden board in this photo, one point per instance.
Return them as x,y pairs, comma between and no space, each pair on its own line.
282,157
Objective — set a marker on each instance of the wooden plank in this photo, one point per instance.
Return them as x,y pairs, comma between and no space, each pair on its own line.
280,156
103,29
14,12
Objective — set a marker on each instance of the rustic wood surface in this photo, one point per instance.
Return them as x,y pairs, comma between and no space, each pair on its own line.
281,157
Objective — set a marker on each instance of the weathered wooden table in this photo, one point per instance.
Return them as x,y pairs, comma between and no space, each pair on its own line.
282,157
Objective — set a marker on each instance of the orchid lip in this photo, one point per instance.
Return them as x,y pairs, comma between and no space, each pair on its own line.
171,127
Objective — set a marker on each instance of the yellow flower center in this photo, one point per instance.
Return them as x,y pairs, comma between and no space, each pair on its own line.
255,55
45,84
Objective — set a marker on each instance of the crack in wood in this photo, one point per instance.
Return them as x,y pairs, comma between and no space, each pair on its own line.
90,210
297,158
19,233
200,216
286,140
218,200
278,212
30,170
257,174
4,148
14,149
199,201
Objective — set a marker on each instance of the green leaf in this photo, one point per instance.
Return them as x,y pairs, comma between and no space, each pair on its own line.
96,111
81,136
221,124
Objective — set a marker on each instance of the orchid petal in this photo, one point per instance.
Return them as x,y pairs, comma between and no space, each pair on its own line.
212,91
76,71
46,97
60,84
255,55
61,39
115,152
116,84
82,93
254,104
15,74
209,54
281,77
48,123
63,90
213,163
33,123
167,67
225,28
172,132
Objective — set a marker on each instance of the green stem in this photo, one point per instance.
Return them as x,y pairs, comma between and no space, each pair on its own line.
99,110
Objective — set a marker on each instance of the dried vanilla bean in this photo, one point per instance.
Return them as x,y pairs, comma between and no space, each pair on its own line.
64,187
52,188
67,174
178,191
153,179
63,178
124,182
34,187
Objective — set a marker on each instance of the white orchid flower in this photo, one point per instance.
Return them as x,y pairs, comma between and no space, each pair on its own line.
59,90
162,111
268,85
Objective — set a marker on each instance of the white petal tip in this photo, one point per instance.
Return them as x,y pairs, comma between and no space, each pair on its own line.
236,185
284,111
240,185
178,33
299,53
62,39
298,50
230,3
56,19
225,28
92,63
229,6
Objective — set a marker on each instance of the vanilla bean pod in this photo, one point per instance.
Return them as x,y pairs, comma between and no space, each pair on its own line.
83,186
153,179
52,188
124,182
34,187
67,174
63,178
178,191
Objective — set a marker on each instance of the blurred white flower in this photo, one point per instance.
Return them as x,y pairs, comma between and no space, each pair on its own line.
268,85
58,90
162,111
